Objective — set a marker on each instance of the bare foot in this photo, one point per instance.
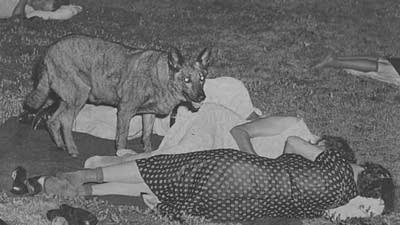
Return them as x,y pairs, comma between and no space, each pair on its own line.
324,62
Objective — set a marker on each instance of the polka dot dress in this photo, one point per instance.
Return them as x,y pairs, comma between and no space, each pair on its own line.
229,185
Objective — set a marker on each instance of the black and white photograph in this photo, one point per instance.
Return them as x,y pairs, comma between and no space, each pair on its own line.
199,112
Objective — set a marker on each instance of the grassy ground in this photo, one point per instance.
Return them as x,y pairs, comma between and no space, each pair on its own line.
270,45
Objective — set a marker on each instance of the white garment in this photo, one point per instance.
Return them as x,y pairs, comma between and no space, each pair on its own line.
101,121
63,13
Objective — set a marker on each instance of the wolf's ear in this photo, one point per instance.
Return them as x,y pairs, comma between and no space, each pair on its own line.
175,59
204,58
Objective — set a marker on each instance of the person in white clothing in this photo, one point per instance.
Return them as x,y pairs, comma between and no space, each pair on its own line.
45,9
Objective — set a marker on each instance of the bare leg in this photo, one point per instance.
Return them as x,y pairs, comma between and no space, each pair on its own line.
126,172
360,63
119,189
103,161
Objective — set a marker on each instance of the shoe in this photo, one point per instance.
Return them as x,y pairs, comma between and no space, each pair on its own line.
19,176
33,185
74,216
23,185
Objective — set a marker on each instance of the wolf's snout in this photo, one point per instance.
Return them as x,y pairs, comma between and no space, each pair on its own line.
201,97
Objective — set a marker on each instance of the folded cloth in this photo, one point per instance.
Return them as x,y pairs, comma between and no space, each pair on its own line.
65,12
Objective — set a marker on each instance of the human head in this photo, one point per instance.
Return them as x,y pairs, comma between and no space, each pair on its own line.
333,143
47,5
375,181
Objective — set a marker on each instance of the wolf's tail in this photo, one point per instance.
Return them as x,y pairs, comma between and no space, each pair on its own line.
39,95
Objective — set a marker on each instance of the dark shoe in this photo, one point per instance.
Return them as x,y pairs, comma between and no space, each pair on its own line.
23,185
34,187
19,176
74,216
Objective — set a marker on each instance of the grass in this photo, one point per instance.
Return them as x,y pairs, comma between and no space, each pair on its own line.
269,45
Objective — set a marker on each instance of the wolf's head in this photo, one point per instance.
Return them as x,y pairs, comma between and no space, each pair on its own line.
190,76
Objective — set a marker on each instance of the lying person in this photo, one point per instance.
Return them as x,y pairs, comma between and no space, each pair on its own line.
230,185
45,9
386,69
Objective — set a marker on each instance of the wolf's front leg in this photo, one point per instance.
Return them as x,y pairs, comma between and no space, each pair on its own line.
147,125
124,116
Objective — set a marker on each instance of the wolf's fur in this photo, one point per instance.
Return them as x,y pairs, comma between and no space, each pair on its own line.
80,69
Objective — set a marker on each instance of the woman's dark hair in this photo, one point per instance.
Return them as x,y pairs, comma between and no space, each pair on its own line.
376,182
58,3
339,144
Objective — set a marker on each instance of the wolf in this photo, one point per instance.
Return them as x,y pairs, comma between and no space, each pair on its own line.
82,69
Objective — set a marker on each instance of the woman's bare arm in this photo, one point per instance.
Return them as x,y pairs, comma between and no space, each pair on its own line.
262,127
297,145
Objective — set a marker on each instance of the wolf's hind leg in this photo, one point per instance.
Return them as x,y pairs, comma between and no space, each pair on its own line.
54,126
67,119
